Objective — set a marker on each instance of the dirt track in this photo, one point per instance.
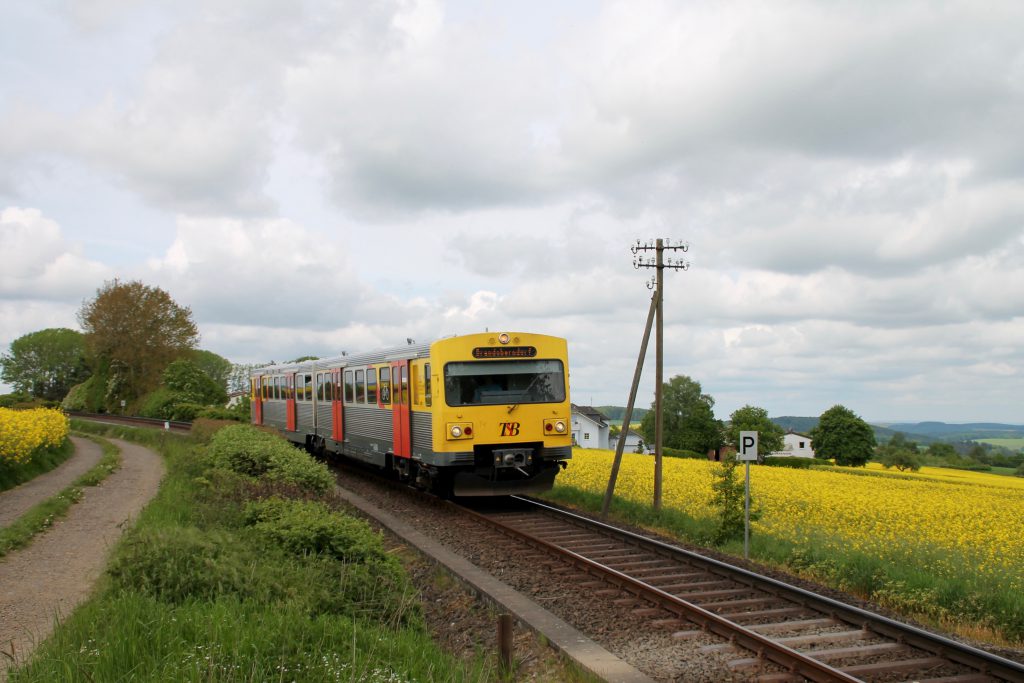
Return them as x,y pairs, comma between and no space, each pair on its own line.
49,578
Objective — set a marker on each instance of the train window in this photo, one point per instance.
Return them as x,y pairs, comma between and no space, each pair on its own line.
504,382
426,383
307,387
328,386
360,386
320,386
385,386
350,387
275,388
286,390
404,396
371,386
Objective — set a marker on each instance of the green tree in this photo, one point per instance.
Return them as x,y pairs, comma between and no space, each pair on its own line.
45,364
132,332
899,440
843,435
943,451
688,422
188,380
979,453
217,368
753,419
900,457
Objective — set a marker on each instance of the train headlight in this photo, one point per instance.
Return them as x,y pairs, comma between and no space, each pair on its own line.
503,338
556,426
459,430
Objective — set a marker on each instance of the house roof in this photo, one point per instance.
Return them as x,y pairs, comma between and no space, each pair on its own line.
591,413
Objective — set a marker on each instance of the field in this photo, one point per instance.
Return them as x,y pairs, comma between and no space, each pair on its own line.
942,544
1011,444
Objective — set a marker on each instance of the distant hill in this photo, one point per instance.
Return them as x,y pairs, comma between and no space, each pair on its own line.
922,432
961,432
804,425
615,413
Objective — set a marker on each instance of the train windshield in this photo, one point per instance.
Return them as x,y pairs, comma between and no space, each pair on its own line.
488,383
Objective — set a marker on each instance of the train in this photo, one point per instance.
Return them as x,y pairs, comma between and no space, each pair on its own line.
484,414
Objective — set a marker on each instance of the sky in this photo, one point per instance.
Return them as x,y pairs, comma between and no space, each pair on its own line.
322,176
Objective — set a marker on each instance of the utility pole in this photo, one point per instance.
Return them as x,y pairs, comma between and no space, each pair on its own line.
657,283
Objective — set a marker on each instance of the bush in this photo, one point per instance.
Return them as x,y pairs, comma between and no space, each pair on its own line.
212,413
203,428
159,403
786,461
310,527
189,381
250,451
76,399
682,453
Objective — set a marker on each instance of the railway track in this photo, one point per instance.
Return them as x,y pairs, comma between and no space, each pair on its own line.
763,620
155,423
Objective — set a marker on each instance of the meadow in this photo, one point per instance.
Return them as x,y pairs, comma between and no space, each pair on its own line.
1012,444
244,568
942,545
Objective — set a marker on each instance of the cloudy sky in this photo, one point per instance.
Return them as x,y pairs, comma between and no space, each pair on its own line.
327,175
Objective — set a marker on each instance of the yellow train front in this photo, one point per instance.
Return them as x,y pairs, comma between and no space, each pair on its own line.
474,415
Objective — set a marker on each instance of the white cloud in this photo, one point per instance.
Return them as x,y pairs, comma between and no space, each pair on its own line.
330,175
39,264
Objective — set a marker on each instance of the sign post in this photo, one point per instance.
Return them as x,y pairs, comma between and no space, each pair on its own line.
747,453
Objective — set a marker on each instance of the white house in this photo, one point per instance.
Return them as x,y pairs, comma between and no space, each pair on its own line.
589,427
634,443
796,446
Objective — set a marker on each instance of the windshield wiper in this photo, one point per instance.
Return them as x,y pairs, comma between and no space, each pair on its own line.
526,392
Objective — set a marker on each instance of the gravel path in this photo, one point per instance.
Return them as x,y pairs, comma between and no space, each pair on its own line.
17,501
49,578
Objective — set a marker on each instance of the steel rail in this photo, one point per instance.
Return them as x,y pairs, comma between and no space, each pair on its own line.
789,659
179,425
984,662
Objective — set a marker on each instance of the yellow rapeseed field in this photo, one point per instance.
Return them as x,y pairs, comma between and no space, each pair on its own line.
24,431
954,521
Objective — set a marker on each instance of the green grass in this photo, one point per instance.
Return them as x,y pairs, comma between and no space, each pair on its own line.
43,460
957,601
1012,444
42,516
205,588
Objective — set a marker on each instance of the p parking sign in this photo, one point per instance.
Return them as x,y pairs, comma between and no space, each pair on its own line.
748,447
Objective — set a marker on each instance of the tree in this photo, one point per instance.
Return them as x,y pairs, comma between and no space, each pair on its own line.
46,364
688,420
753,419
193,385
900,441
899,456
217,368
132,332
843,435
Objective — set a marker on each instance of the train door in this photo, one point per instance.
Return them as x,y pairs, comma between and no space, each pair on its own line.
400,408
257,400
337,431
289,406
